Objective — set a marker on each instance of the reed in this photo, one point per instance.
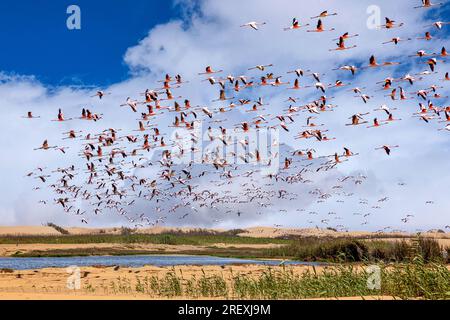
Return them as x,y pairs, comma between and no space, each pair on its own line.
356,250
416,279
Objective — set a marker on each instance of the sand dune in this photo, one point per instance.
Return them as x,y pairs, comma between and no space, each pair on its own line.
28,231
259,232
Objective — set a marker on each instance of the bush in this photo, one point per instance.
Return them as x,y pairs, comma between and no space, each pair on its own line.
6,270
124,231
57,228
430,250
353,250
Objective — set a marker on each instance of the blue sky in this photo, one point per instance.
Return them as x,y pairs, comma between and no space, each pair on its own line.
37,42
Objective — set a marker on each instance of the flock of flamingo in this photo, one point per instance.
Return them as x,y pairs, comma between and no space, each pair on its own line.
118,177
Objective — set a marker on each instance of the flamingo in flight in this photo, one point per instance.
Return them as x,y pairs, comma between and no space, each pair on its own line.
295,25
261,67
253,24
387,149
346,36
324,14
374,64
438,24
351,68
390,24
427,36
341,45
396,40
319,28
426,4
209,70
31,116
45,146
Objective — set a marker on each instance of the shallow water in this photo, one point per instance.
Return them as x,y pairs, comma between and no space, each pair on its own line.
131,261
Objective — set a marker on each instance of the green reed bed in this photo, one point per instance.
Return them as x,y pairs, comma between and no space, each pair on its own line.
357,250
166,238
404,281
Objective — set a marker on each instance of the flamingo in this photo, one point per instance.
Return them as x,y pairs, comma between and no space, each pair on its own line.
295,25
427,36
446,128
319,27
297,86
387,149
373,63
100,94
356,119
432,63
31,116
387,84
209,70
261,67
299,72
438,24
396,40
253,24
341,45
352,69
278,82
443,53
391,24
376,123
426,4
324,14
130,103
347,36
45,146
60,117
420,53
385,108
446,77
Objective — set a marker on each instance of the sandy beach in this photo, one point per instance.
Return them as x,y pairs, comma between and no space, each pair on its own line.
97,282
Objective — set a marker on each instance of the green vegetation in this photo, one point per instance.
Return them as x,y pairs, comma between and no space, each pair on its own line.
165,238
229,252
354,250
6,270
57,228
301,249
412,280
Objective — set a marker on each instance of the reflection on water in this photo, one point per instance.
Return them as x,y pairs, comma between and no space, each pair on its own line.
130,261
